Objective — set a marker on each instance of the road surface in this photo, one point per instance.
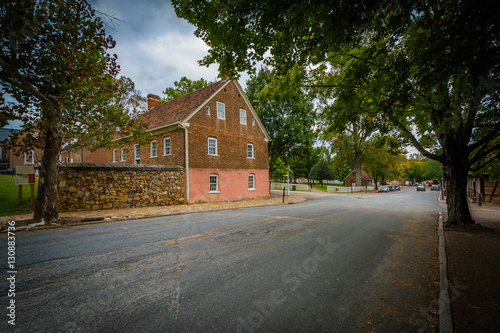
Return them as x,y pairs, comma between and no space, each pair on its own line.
335,263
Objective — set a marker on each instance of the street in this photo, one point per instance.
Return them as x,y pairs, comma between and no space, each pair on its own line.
335,263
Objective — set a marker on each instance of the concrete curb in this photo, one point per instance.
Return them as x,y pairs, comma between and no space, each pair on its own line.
101,219
445,321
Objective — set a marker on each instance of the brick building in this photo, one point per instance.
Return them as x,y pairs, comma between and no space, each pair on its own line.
366,179
8,159
214,133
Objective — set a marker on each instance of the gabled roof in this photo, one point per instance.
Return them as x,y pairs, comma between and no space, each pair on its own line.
364,175
180,108
5,133
172,113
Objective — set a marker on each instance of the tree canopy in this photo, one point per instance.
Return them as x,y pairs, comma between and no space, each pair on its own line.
430,69
182,87
58,78
287,113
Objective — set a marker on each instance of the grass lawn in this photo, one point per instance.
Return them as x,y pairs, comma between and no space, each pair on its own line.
318,186
8,196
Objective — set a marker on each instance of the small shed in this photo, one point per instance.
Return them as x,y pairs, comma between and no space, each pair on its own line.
366,179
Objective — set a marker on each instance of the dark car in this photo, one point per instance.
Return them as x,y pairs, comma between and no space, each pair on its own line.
420,187
397,188
10,171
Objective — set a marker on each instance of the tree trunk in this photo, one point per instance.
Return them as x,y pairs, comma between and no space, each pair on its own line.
357,163
455,175
46,204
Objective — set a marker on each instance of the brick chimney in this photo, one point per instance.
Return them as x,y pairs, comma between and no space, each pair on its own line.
153,100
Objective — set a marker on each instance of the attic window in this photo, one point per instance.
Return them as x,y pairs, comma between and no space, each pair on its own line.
253,122
208,110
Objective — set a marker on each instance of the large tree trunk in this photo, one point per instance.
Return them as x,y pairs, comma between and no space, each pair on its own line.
46,204
455,176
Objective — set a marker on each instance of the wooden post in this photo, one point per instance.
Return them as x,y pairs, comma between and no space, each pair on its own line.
20,195
32,195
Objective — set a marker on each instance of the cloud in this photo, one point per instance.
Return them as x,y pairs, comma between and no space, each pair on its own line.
154,46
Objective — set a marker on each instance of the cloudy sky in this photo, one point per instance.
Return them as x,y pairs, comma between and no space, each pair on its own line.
154,46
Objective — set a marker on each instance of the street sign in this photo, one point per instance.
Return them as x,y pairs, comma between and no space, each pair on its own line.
25,175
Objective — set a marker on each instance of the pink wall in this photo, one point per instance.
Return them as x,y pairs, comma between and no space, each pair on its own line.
233,184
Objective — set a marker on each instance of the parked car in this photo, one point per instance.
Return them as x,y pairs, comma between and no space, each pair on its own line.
383,188
397,188
392,188
421,188
10,171
435,187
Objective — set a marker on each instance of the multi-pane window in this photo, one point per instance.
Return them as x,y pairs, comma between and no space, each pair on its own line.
153,149
137,154
212,146
28,157
243,117
214,183
221,110
166,146
250,153
123,154
115,154
251,182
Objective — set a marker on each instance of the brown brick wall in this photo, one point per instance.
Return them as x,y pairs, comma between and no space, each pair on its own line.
232,137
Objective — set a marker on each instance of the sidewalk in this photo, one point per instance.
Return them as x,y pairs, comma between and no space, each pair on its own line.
473,259
99,216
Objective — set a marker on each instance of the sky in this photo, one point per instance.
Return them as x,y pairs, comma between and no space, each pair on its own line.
154,46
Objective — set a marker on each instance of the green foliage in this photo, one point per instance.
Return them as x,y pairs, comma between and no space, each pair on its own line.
287,113
430,69
73,77
322,171
182,87
280,170
61,83
432,170
381,162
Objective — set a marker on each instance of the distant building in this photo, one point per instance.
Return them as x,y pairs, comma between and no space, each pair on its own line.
366,179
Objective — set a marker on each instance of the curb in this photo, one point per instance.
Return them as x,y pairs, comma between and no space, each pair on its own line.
100,219
445,321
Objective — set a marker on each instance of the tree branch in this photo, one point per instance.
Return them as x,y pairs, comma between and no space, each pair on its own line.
415,142
21,82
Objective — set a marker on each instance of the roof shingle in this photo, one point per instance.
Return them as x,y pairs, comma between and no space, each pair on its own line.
180,108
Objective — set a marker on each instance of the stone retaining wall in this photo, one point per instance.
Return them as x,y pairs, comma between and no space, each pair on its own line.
92,186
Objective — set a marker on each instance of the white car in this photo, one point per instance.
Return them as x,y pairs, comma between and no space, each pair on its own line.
383,188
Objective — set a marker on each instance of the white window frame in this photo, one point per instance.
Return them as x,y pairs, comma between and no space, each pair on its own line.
122,159
207,108
216,149
243,117
251,188
153,151
115,155
221,114
137,157
252,156
165,146
29,153
216,177
253,122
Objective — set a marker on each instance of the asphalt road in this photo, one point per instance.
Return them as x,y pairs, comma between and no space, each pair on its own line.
335,263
